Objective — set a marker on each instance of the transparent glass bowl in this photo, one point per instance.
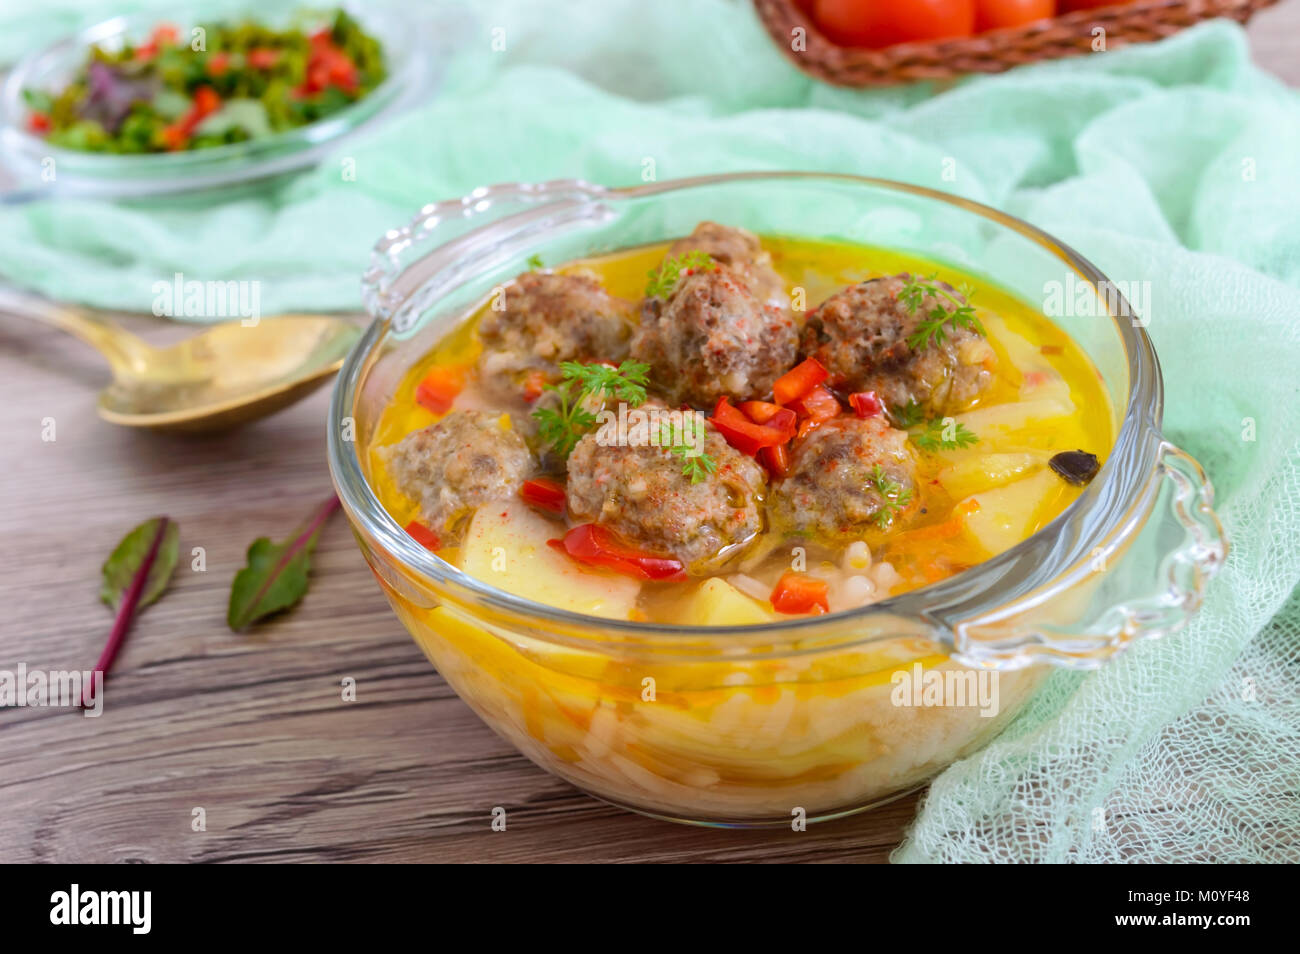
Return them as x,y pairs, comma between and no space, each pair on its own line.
806,717
39,168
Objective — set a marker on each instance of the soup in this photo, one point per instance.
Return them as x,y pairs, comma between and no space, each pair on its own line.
727,431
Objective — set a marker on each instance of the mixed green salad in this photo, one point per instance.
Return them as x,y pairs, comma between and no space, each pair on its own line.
212,85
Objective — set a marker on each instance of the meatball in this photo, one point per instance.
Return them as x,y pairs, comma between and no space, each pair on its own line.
860,336
711,338
833,487
461,462
546,318
640,492
741,251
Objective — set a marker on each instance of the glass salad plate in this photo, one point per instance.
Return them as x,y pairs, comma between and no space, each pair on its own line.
413,51
754,725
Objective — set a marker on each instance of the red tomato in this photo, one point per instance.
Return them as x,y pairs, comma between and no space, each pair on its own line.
877,23
995,14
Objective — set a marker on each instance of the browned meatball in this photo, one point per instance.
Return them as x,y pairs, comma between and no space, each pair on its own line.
834,488
713,337
741,251
545,318
641,493
458,463
860,336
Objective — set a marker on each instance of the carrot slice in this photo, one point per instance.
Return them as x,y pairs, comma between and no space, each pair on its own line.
799,593
439,388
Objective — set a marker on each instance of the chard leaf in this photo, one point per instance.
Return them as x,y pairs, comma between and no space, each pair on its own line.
276,576
129,557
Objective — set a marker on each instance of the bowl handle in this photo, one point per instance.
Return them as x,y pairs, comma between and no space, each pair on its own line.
1149,588
411,265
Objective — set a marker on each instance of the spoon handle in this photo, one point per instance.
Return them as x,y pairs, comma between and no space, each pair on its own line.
126,353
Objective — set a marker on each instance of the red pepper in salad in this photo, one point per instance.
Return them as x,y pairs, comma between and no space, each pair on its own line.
545,492
595,545
38,122
866,404
438,389
799,380
206,102
164,34
263,58
798,593
423,535
327,65
218,63
748,436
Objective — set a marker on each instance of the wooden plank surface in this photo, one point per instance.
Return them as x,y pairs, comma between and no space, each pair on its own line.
253,729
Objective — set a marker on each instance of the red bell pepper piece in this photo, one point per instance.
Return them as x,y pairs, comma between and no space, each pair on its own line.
218,63
423,535
206,102
818,405
866,404
598,546
263,58
776,460
534,385
438,389
38,122
799,380
747,436
797,593
545,492
760,412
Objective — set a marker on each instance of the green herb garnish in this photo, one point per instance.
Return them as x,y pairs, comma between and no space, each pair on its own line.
698,467
534,262
665,278
952,310
563,427
945,433
894,497
908,415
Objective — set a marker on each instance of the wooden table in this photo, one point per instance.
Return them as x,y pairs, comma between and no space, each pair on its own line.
252,728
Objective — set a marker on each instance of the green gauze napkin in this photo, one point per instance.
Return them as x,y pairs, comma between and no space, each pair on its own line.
1176,164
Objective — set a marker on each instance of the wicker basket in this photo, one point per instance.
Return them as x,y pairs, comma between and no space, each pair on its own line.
1071,34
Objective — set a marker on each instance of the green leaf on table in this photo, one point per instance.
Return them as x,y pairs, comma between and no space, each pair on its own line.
277,574
128,558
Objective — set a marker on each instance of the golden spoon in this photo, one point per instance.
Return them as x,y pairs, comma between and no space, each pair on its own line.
228,375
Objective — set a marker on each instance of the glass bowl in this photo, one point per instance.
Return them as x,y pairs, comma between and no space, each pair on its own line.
809,718
40,168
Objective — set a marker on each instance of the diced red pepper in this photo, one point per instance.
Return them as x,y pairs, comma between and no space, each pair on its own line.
327,65
799,380
423,535
798,593
760,412
747,436
165,34
206,102
545,492
534,385
38,122
598,546
818,405
263,58
776,460
866,404
438,389
218,64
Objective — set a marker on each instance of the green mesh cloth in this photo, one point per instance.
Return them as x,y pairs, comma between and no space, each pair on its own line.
1176,163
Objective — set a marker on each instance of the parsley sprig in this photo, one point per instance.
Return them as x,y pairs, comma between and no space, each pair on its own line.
945,433
893,497
951,310
698,467
535,263
908,415
664,279
564,426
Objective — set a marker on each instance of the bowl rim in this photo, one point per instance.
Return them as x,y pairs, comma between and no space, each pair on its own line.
1121,497
196,169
